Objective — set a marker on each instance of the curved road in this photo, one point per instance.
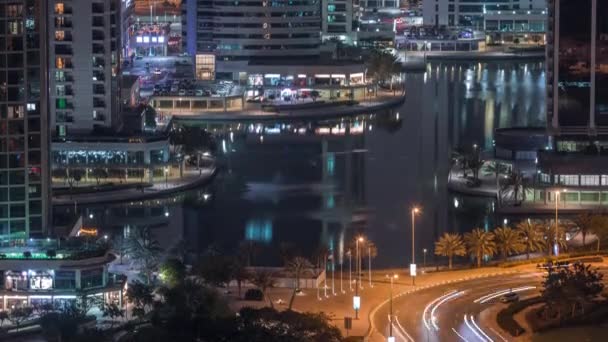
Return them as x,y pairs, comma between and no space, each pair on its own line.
455,312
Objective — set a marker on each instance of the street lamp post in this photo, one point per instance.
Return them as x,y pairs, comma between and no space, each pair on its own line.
358,266
341,263
166,177
333,272
415,211
356,298
390,334
424,258
555,244
369,257
350,270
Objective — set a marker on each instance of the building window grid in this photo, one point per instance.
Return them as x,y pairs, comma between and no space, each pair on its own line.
590,180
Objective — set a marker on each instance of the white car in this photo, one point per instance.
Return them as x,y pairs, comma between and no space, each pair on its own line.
182,92
157,71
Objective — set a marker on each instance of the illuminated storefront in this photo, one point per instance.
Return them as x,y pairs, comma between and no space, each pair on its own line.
31,278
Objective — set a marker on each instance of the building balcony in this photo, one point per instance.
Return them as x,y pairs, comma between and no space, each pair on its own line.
575,163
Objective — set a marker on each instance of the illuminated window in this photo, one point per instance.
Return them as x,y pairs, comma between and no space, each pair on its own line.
59,8
590,180
205,67
59,76
60,62
59,35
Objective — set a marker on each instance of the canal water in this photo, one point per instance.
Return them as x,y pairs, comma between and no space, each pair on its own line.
294,185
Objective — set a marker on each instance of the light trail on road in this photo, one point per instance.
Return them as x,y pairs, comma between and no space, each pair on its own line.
466,322
433,317
489,297
461,337
479,329
428,306
402,331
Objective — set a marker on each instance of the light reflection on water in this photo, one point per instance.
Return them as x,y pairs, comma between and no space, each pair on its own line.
296,184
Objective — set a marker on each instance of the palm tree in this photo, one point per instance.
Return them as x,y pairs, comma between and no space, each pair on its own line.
585,223
480,243
455,159
496,168
382,65
297,267
450,245
146,250
531,237
264,280
239,274
517,185
474,162
508,241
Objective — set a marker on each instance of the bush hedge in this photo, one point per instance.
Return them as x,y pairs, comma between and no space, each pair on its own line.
505,316
254,294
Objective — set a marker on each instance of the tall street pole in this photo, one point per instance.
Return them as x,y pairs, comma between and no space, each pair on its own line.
350,270
390,334
369,257
555,243
414,212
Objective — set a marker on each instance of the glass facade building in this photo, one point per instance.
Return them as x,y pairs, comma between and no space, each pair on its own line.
577,64
24,172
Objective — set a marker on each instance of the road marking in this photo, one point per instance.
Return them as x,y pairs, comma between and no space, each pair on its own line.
457,334
466,321
499,335
433,317
480,330
428,306
488,297
400,327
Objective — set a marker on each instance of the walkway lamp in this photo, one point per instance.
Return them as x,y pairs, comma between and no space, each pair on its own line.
415,211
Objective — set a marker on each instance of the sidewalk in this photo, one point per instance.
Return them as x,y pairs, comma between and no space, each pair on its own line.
340,305
380,102
191,178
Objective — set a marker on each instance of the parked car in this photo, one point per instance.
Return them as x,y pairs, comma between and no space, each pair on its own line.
182,92
157,71
190,92
139,57
509,297
199,92
174,89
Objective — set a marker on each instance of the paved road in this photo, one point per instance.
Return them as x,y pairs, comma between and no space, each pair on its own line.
449,304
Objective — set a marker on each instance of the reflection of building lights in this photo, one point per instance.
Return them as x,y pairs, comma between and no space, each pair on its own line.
456,203
166,214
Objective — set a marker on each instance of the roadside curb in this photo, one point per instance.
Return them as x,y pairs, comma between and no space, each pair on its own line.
371,329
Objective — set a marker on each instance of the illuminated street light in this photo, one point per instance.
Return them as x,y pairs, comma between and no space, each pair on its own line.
390,335
415,211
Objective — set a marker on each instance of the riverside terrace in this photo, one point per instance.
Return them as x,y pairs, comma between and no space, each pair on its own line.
36,272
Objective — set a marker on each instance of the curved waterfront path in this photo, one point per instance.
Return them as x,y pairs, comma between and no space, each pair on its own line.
191,180
380,103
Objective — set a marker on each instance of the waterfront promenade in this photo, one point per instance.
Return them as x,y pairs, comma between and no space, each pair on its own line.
191,178
384,100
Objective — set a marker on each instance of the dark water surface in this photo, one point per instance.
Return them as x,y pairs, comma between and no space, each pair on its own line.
295,185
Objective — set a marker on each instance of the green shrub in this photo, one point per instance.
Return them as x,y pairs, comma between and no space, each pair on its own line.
505,316
254,294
